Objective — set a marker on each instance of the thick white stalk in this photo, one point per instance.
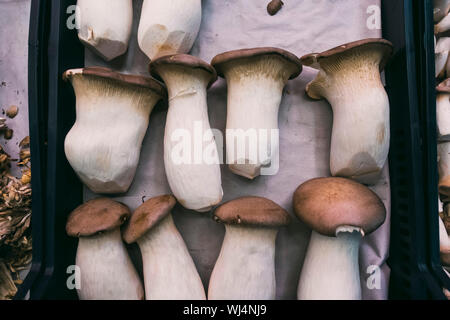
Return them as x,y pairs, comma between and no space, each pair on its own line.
443,116
444,160
331,268
190,152
169,271
106,270
252,119
105,26
245,269
168,26
361,131
104,145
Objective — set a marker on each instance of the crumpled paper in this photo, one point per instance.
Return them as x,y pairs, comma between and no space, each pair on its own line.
301,26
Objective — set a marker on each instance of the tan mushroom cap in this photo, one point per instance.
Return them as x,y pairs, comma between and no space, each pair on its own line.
183,60
96,216
147,216
314,59
252,211
134,80
444,86
325,204
220,60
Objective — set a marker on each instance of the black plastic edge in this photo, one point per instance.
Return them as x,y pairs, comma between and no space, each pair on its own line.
37,102
63,191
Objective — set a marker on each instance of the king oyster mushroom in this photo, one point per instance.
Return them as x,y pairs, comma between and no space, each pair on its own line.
106,270
255,78
340,212
191,159
169,26
113,110
169,272
245,269
105,26
349,79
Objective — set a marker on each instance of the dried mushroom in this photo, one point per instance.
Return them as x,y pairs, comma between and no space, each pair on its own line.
15,218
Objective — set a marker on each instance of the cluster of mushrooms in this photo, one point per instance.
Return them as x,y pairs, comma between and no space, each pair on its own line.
112,115
442,49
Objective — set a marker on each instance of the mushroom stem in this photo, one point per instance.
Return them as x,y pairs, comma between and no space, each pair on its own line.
358,156
331,268
245,269
169,271
194,180
106,270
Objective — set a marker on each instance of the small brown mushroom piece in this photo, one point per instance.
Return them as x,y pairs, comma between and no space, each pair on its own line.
107,272
340,212
245,269
169,271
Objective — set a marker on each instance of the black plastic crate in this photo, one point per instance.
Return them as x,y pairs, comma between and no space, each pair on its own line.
414,250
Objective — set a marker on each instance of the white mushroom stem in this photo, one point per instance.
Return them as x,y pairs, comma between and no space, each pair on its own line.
104,144
105,26
443,116
441,56
361,131
444,160
443,25
190,152
254,96
168,26
169,271
245,269
106,270
441,9
331,267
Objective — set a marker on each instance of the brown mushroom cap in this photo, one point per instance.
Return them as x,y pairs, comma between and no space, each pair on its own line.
256,211
147,216
220,60
444,86
183,60
106,73
96,216
313,59
325,204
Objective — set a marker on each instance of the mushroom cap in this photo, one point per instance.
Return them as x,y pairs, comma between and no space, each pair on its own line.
221,59
147,216
183,60
252,211
444,86
134,80
325,204
96,216
313,59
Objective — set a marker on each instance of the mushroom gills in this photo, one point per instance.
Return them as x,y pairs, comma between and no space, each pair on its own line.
337,258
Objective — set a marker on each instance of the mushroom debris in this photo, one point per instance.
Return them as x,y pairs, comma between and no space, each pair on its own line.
340,212
349,79
15,215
